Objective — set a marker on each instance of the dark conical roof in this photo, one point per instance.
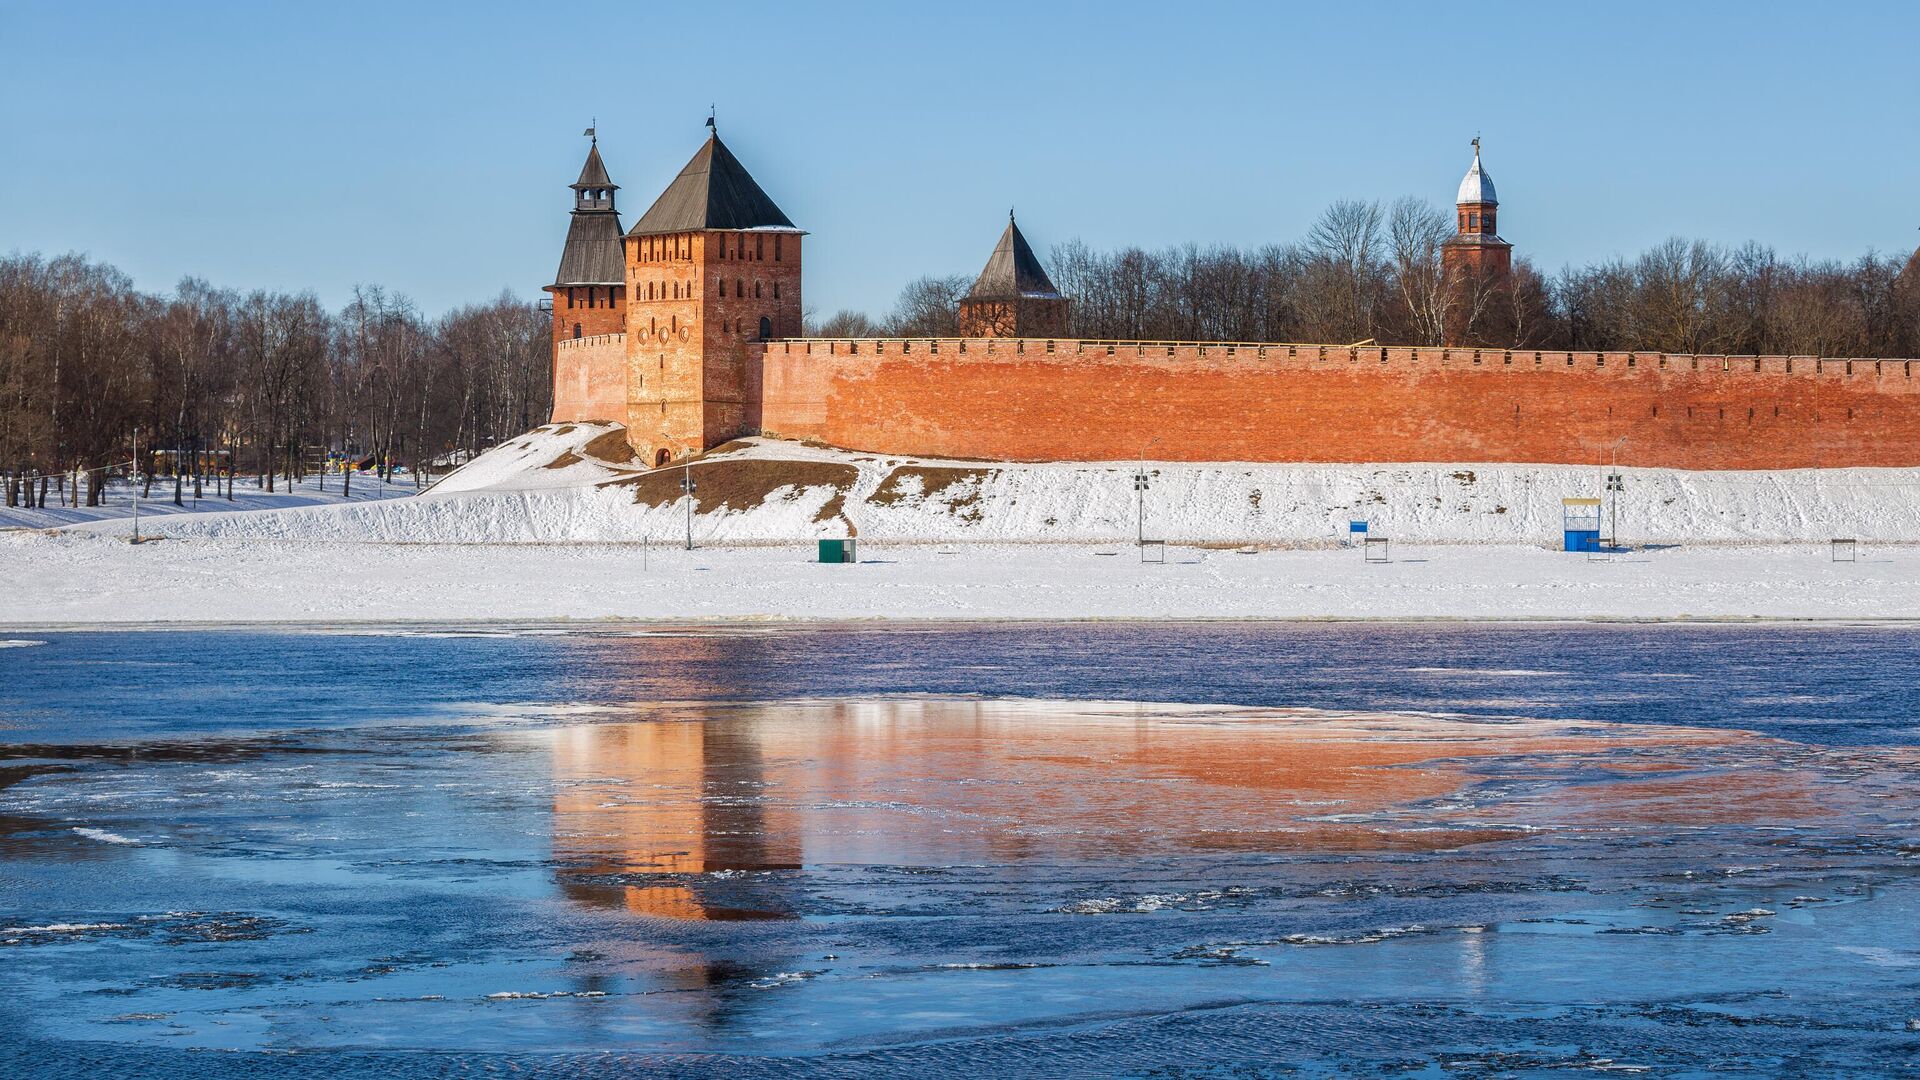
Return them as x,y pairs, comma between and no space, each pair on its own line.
594,173
1012,271
714,191
593,255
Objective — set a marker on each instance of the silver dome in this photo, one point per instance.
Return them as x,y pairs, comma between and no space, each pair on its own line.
1478,186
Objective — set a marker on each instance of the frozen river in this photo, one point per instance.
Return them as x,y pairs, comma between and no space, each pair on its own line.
1045,849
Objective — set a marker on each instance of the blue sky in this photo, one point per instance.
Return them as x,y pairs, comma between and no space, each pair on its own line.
427,146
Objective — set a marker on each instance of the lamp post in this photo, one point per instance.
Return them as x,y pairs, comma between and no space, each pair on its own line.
688,486
134,486
1615,485
1141,482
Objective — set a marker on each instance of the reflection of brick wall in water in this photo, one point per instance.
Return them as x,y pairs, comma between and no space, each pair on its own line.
1016,400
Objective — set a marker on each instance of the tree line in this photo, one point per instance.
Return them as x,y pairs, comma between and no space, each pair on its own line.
1372,271
215,382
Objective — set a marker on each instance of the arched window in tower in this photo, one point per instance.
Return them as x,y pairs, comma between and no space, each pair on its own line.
756,290
739,287
776,285
1473,221
759,247
576,331
776,247
766,328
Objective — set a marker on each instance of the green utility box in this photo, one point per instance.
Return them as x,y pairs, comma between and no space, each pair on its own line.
837,551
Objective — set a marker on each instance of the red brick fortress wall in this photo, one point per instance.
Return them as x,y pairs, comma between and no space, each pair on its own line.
590,379
1031,400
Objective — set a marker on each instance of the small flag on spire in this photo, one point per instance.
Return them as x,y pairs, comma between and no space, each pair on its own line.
710,126
589,133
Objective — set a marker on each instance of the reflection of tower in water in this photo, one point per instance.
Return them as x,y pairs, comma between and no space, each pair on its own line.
645,811
651,816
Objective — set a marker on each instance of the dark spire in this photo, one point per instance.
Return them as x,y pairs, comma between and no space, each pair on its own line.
714,191
1013,270
592,255
594,173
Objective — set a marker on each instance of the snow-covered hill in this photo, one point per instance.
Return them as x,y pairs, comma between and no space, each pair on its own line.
576,483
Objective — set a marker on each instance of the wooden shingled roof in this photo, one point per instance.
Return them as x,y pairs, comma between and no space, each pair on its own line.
714,191
594,173
1012,270
592,255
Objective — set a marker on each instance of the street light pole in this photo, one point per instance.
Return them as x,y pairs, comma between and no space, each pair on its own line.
134,487
1140,501
688,486
1615,485
1140,485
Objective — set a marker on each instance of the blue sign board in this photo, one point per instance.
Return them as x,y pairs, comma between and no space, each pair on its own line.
1356,526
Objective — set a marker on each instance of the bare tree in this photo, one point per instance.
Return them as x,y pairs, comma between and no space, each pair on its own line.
928,307
844,324
1417,234
1345,248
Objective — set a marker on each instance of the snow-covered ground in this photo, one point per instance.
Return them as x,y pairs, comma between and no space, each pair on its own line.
247,496
83,578
546,487
562,524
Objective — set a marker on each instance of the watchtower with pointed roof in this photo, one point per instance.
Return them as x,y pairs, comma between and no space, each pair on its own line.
589,290
713,269
1476,248
1013,296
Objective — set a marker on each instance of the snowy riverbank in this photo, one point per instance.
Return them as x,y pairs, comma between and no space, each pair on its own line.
562,525
574,484
75,578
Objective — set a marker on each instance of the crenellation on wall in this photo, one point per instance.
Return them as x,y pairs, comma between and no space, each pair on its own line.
1310,357
1011,399
590,379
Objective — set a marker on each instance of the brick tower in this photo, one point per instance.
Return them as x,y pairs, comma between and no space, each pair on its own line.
1477,249
589,292
713,269
1013,296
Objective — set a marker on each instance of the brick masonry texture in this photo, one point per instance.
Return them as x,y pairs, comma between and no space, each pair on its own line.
590,379
1016,400
606,315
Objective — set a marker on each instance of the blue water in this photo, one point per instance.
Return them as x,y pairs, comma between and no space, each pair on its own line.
853,852
1835,686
